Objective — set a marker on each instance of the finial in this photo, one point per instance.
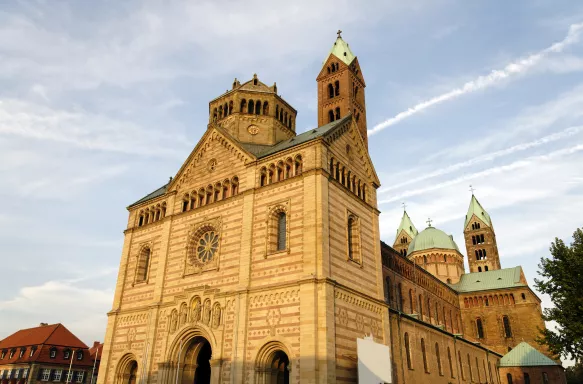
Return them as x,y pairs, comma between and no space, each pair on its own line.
404,206
169,181
429,221
339,32
472,189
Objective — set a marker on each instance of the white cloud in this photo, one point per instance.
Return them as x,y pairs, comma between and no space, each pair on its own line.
483,82
82,309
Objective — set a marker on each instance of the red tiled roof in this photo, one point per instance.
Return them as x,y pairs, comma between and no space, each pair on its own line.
55,334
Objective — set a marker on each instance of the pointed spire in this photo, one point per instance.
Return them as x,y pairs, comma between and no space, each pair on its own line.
341,50
407,226
476,208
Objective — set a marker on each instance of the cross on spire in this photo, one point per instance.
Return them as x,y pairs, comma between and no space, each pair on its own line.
429,221
404,206
472,189
339,32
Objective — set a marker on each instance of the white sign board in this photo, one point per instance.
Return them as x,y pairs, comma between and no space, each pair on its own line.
374,362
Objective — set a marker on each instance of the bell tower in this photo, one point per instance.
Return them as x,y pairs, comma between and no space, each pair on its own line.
480,239
341,87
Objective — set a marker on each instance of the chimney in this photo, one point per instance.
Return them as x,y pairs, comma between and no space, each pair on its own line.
96,344
43,324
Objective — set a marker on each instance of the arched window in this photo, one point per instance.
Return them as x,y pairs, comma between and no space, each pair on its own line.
352,233
143,265
330,91
428,310
328,69
474,240
408,351
251,107
459,357
221,112
424,353
388,290
400,296
482,238
243,105
420,307
234,186
288,167
337,113
437,355
411,305
526,378
281,115
450,362
230,107
265,108
298,165
258,107
509,378
337,88
523,297
485,268
479,269
507,330
281,231
330,116
141,219
226,184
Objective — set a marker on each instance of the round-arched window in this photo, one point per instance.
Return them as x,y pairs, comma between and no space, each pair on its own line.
207,246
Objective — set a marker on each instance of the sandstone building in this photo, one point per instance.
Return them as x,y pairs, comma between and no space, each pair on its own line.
261,260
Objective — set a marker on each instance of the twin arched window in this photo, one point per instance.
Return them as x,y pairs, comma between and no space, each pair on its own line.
475,225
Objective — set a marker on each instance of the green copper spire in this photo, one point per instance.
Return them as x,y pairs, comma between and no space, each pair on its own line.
341,50
477,209
407,226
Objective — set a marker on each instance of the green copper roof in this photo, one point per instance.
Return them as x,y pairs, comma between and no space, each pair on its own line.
481,281
407,226
432,237
477,209
524,355
261,151
341,50
158,192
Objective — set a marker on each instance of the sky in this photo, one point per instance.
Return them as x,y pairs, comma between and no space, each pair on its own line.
100,104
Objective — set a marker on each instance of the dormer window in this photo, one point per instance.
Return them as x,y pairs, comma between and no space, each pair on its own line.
67,354
11,353
3,354
22,350
80,355
53,353
32,350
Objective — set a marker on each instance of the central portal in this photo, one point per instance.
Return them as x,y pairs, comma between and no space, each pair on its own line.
196,364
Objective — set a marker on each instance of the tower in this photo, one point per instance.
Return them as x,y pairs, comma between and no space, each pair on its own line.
341,87
405,234
480,239
253,113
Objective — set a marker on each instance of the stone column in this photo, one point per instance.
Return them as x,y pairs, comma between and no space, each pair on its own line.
216,365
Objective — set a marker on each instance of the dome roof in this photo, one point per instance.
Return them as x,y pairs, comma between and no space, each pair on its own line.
432,237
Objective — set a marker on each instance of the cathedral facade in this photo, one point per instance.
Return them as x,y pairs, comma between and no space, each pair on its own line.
260,261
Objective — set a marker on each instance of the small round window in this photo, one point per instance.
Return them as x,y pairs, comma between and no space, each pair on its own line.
207,246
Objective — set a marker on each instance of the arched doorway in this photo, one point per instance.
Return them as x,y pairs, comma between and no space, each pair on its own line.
279,368
127,370
273,364
195,362
133,372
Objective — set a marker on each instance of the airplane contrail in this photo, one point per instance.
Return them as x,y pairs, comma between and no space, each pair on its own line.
486,81
486,157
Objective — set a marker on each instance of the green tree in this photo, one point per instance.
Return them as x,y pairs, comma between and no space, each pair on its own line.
562,280
574,374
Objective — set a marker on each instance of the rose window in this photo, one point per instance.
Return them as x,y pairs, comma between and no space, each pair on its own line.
207,246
